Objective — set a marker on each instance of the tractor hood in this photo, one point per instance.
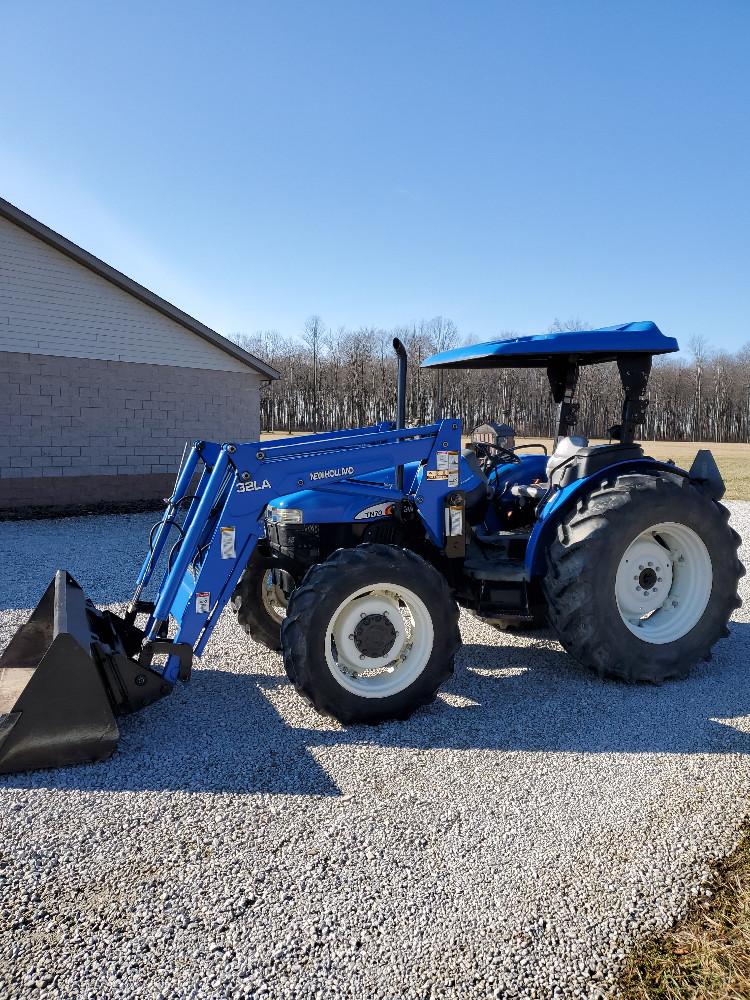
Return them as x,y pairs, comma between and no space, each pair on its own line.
343,502
586,347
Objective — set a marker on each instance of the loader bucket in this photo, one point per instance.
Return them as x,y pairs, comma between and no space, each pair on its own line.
55,709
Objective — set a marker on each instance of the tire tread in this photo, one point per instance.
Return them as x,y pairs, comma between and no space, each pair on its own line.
306,597
570,583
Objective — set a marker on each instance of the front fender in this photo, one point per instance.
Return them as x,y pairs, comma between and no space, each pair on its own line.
560,502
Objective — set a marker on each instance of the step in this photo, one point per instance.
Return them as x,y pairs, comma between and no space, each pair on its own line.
499,539
495,569
492,617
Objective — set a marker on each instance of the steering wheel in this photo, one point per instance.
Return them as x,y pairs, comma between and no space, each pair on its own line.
502,456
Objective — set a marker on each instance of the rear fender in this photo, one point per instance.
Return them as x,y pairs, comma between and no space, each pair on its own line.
560,502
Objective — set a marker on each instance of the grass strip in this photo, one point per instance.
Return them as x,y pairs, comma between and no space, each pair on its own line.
707,957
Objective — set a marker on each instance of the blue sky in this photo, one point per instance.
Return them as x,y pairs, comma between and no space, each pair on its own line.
501,164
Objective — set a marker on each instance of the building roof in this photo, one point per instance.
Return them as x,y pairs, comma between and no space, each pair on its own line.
81,256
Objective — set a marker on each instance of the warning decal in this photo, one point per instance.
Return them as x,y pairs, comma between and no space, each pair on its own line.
448,460
227,543
203,602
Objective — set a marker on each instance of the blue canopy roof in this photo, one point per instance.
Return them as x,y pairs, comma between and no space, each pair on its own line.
586,347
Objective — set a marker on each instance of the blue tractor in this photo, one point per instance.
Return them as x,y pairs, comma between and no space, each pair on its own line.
352,551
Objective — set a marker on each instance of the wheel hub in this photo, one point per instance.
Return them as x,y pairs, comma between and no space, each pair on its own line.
663,582
644,578
274,595
379,640
374,635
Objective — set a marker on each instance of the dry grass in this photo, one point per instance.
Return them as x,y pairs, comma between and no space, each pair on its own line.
708,956
733,459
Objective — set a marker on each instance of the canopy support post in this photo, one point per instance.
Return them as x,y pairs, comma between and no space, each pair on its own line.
563,380
634,372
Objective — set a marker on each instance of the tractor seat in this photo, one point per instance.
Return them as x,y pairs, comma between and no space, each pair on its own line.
562,457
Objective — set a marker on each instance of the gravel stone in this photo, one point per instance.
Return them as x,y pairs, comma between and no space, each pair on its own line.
510,841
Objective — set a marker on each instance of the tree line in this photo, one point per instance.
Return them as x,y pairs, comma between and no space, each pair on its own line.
347,378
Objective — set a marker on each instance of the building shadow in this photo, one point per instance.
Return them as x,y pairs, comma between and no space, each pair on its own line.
223,733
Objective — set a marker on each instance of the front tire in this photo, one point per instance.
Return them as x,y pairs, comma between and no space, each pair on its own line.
642,578
260,602
370,634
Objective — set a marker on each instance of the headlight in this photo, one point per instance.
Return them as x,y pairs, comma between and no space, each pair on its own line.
284,515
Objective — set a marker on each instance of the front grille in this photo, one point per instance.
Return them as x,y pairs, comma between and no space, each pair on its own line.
312,543
300,542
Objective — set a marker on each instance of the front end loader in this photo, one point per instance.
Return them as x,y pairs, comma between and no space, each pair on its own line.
352,551
71,669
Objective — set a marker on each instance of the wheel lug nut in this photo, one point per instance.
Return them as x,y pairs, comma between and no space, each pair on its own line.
651,564
351,635
641,566
638,589
658,579
675,603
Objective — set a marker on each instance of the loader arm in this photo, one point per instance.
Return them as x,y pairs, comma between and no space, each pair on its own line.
225,518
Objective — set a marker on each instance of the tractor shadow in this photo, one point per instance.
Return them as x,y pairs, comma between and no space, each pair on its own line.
228,732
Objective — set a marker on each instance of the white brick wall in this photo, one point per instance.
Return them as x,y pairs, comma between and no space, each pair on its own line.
68,417
52,305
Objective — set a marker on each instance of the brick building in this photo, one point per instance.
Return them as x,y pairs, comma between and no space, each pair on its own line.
101,381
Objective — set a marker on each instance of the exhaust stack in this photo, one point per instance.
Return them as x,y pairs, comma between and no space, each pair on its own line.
400,350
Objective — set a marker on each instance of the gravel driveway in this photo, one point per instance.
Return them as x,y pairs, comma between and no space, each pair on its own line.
510,841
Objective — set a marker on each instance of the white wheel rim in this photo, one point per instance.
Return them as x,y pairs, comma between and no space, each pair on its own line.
274,598
396,610
663,582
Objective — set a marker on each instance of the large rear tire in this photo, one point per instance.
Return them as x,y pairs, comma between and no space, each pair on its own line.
370,634
642,578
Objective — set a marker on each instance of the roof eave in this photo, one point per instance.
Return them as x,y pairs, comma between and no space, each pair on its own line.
31,225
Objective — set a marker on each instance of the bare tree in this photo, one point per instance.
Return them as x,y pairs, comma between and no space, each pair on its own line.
347,378
572,325
313,337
